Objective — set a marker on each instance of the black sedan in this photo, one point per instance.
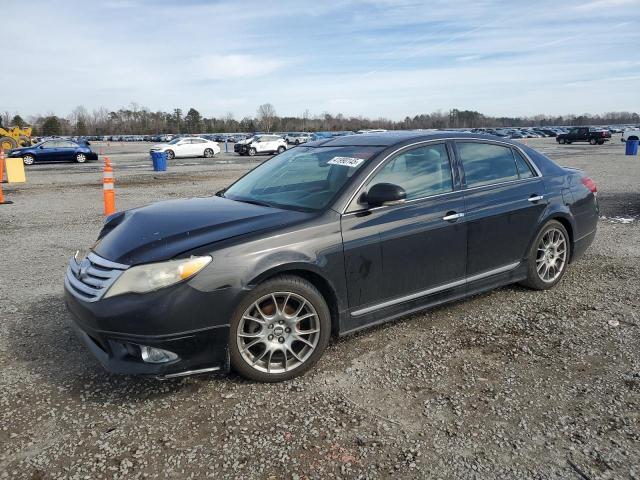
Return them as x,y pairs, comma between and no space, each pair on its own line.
57,150
324,239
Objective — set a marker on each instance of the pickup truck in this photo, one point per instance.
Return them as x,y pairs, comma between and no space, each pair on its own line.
631,134
584,134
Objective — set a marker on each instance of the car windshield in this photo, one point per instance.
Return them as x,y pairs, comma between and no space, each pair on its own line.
304,178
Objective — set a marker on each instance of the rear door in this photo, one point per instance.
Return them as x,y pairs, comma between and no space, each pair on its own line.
67,151
505,198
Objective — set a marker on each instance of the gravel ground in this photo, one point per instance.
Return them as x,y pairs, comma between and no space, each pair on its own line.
508,384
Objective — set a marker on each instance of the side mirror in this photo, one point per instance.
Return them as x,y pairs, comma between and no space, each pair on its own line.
385,194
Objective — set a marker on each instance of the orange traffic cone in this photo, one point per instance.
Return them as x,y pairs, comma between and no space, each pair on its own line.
107,188
2,200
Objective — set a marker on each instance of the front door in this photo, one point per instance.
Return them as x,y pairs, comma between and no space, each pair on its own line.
49,151
504,199
407,250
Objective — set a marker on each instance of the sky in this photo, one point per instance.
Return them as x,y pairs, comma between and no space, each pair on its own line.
375,58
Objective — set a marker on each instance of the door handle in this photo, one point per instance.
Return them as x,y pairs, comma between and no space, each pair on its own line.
535,198
452,216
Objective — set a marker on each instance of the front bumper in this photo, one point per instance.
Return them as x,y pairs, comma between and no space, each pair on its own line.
181,319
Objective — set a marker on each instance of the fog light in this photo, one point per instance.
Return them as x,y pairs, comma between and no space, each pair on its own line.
156,355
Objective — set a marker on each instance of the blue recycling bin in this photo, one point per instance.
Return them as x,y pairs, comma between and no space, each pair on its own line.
159,160
631,147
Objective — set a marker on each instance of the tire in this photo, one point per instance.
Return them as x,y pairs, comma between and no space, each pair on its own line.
592,141
262,341
252,152
28,159
601,142
208,153
81,158
281,149
562,141
8,143
547,249
170,154
297,142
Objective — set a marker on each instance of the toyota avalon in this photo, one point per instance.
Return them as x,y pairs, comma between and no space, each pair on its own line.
323,240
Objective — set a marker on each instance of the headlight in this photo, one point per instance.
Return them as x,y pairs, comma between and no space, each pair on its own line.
146,278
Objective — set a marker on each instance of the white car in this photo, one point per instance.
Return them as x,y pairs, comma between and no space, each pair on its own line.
297,138
631,134
188,147
261,144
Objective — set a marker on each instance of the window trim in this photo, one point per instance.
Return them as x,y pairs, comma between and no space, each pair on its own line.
456,159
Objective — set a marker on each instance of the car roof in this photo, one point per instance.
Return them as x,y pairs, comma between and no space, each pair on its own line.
390,138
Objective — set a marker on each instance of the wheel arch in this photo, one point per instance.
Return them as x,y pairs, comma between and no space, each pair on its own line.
567,222
312,275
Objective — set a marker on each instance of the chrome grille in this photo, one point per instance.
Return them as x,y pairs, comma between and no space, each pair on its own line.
89,279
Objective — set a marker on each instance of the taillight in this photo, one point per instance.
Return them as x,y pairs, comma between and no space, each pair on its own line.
602,134
590,184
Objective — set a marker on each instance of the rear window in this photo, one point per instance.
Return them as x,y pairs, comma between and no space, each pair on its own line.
486,164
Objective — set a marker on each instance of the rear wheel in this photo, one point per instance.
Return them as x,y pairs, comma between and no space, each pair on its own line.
297,142
170,154
8,143
281,149
548,257
81,158
280,330
28,159
562,141
208,153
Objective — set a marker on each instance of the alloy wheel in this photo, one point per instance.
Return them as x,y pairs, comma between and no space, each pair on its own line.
28,160
81,158
551,255
278,332
208,153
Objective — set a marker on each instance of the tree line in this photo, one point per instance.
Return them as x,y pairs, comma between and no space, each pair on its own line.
136,120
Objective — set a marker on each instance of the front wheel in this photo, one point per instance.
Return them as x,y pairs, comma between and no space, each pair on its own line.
208,153
81,158
592,141
562,141
28,159
170,154
548,257
281,149
280,330
252,152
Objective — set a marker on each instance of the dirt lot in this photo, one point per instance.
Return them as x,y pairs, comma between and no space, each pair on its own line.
509,384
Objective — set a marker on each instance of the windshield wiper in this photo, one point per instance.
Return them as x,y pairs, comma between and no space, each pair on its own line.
253,202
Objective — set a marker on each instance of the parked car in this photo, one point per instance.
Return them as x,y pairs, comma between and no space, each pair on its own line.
56,150
188,147
631,134
326,238
584,134
260,144
297,138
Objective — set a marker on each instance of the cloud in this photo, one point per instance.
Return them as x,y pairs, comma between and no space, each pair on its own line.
224,67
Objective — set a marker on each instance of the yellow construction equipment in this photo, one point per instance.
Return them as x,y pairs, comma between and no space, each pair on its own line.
15,137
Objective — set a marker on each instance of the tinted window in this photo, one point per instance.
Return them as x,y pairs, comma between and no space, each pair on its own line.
421,172
524,170
51,144
485,163
67,144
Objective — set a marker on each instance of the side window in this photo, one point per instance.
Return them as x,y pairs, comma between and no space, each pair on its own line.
524,170
486,163
51,144
421,172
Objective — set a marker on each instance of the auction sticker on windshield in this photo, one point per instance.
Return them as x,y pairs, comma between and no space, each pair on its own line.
346,161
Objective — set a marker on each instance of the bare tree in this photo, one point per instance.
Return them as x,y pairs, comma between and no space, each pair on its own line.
266,116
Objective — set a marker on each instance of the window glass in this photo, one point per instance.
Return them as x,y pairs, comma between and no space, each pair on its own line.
67,144
486,163
421,172
51,144
302,178
523,167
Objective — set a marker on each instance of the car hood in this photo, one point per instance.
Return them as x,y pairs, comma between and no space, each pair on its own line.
163,230
13,151
160,146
